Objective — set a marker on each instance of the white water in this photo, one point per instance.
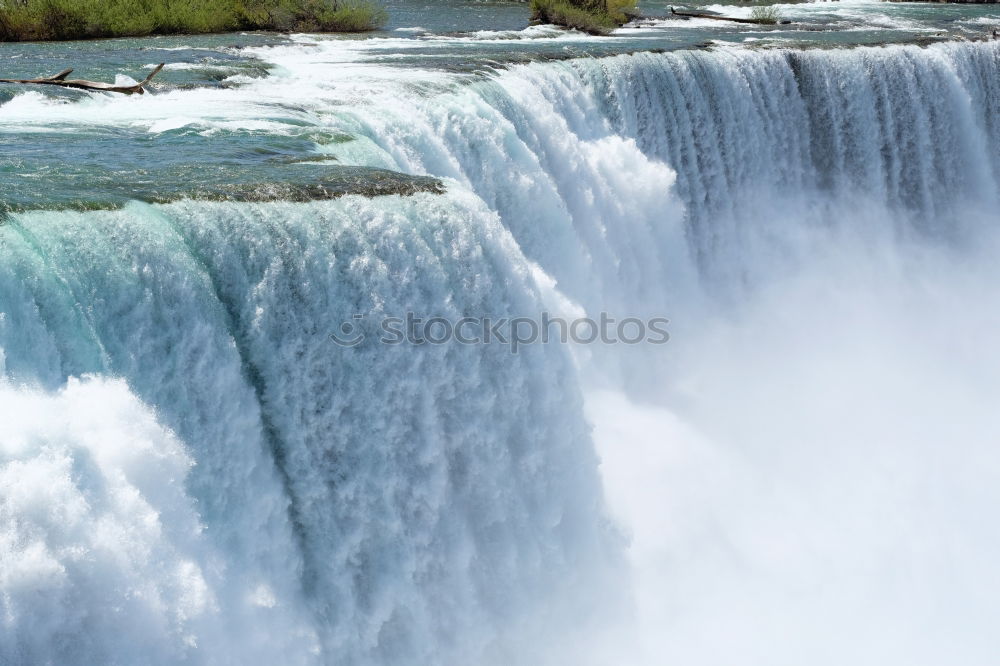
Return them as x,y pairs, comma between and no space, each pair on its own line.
806,471
371,502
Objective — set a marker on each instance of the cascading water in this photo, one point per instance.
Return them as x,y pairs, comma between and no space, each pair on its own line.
356,494
762,143
247,491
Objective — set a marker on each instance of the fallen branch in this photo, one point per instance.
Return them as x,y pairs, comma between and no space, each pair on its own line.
61,80
716,17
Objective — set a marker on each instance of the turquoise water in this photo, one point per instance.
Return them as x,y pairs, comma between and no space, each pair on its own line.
101,161
195,468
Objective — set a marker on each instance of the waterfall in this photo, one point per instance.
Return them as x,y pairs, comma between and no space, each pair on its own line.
193,471
579,158
363,491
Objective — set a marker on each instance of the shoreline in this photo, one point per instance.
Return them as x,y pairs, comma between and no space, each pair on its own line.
83,20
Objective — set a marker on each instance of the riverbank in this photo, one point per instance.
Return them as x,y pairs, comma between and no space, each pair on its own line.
54,20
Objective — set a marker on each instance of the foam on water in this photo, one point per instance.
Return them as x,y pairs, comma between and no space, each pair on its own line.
105,557
805,470
431,502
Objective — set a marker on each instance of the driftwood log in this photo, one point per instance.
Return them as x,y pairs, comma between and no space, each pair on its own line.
717,17
61,80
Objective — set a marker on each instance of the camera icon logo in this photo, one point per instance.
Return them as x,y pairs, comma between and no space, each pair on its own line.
350,333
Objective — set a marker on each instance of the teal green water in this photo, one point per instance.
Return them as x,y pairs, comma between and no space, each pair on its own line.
209,455
51,156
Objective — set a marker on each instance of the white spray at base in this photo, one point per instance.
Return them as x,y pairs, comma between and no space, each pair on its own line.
104,556
807,470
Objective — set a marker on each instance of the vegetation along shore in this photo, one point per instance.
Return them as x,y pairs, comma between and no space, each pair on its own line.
598,17
38,20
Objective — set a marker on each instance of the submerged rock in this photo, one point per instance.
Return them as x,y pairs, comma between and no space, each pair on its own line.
336,182
345,180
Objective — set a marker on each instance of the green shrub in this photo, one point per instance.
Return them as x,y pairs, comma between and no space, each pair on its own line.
354,16
597,17
766,14
23,20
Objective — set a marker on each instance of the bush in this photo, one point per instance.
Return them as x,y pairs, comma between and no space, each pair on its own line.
24,20
597,17
355,16
766,14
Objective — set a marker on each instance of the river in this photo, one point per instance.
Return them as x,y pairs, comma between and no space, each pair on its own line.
212,452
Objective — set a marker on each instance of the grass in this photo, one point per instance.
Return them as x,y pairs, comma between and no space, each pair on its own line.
765,14
597,17
41,20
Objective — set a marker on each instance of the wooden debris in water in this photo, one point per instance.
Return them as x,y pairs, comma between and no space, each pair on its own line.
718,17
79,84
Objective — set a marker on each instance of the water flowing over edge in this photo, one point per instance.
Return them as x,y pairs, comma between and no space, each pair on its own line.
442,504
